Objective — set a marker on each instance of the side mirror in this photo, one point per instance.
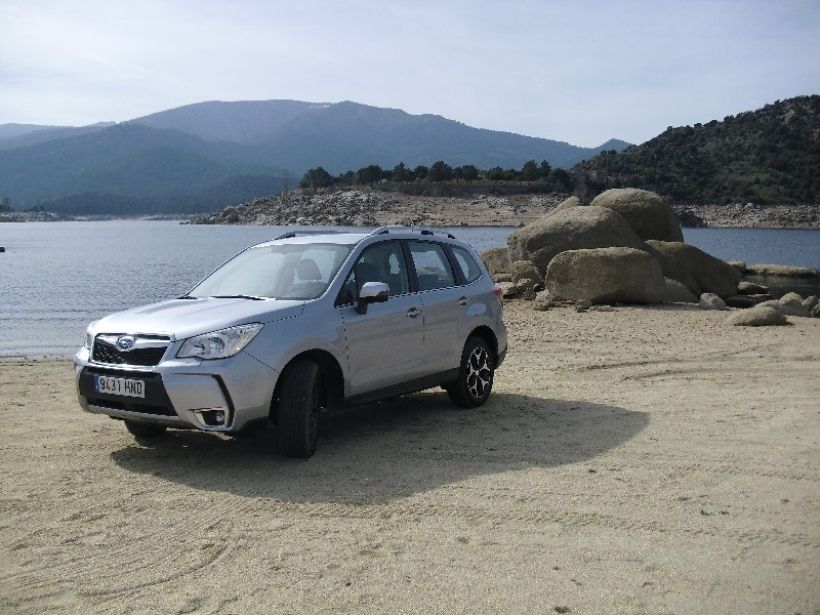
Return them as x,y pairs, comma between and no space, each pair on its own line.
372,292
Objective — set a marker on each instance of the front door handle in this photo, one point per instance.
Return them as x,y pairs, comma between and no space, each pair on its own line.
462,300
413,312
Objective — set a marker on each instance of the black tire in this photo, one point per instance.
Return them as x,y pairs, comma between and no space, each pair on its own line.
144,431
300,404
475,375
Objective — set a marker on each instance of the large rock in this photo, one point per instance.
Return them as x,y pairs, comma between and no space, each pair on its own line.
791,304
698,271
772,303
647,213
497,260
574,228
677,292
710,301
526,277
606,275
758,316
750,288
543,301
810,302
524,269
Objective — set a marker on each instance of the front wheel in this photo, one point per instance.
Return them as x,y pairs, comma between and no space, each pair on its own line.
144,431
475,375
300,403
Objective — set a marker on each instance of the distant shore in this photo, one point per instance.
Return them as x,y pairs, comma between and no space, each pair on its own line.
375,207
369,208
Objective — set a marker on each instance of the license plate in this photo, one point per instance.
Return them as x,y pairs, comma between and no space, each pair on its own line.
126,387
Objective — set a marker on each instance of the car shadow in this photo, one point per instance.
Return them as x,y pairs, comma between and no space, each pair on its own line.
389,450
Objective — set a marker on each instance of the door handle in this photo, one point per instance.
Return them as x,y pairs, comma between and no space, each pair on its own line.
462,300
413,312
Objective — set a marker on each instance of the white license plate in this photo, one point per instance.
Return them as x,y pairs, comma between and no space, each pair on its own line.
119,386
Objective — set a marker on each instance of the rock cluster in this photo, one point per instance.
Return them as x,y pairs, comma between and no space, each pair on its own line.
626,247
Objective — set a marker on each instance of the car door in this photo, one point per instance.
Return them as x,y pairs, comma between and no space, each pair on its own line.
385,346
443,303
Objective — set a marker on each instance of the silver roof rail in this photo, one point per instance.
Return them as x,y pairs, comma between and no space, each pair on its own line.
385,230
292,234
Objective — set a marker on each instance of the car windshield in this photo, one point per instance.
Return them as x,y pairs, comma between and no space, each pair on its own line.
300,271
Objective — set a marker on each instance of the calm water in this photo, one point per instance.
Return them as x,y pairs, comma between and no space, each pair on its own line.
57,277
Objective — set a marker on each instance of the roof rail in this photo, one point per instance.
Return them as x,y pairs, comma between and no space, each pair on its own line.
291,234
385,230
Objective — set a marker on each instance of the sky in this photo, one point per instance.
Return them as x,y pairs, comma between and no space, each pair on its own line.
576,71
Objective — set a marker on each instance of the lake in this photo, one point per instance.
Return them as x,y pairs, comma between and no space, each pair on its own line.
57,277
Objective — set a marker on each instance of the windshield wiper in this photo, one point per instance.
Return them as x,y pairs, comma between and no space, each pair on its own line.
252,297
187,297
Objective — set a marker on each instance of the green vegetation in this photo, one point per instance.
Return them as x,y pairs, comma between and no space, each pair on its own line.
768,156
441,179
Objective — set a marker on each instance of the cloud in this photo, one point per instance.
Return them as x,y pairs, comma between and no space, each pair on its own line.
581,72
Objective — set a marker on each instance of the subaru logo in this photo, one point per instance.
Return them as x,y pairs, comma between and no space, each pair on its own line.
126,342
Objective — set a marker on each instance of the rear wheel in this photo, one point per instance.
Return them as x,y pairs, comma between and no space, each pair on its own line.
300,404
475,375
144,431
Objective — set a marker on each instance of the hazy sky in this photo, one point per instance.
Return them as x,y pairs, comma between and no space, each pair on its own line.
578,71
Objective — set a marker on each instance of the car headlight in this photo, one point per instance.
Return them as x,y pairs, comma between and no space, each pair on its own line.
219,344
89,337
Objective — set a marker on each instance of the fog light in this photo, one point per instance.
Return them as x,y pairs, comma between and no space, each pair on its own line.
212,417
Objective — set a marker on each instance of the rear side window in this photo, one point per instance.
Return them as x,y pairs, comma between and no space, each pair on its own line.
432,267
470,271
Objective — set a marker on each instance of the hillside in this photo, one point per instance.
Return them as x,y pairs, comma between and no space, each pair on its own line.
768,156
14,136
128,168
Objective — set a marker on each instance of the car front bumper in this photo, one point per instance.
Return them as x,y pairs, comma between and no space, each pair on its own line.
222,395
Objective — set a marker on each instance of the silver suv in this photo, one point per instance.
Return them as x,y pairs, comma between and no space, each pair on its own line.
292,327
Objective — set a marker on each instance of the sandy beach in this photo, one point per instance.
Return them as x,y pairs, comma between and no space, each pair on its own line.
646,460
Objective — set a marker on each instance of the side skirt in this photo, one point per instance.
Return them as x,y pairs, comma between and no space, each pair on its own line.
412,386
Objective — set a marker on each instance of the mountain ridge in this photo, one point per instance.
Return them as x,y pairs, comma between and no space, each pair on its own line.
170,159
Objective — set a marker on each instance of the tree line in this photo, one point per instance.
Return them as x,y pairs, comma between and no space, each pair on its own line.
438,173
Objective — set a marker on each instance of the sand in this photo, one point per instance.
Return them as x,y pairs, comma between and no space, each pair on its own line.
647,460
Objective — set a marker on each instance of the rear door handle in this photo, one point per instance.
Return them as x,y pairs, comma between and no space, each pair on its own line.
462,300
413,312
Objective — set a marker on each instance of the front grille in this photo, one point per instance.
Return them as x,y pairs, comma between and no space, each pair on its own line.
105,352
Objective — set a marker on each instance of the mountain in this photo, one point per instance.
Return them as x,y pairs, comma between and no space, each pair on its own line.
13,136
211,154
299,135
767,156
10,131
242,121
162,169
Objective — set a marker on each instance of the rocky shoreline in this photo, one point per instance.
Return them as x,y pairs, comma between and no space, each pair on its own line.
377,207
33,216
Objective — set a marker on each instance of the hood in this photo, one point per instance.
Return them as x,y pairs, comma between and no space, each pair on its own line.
183,318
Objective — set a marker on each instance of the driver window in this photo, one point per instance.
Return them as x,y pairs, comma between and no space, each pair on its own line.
383,262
